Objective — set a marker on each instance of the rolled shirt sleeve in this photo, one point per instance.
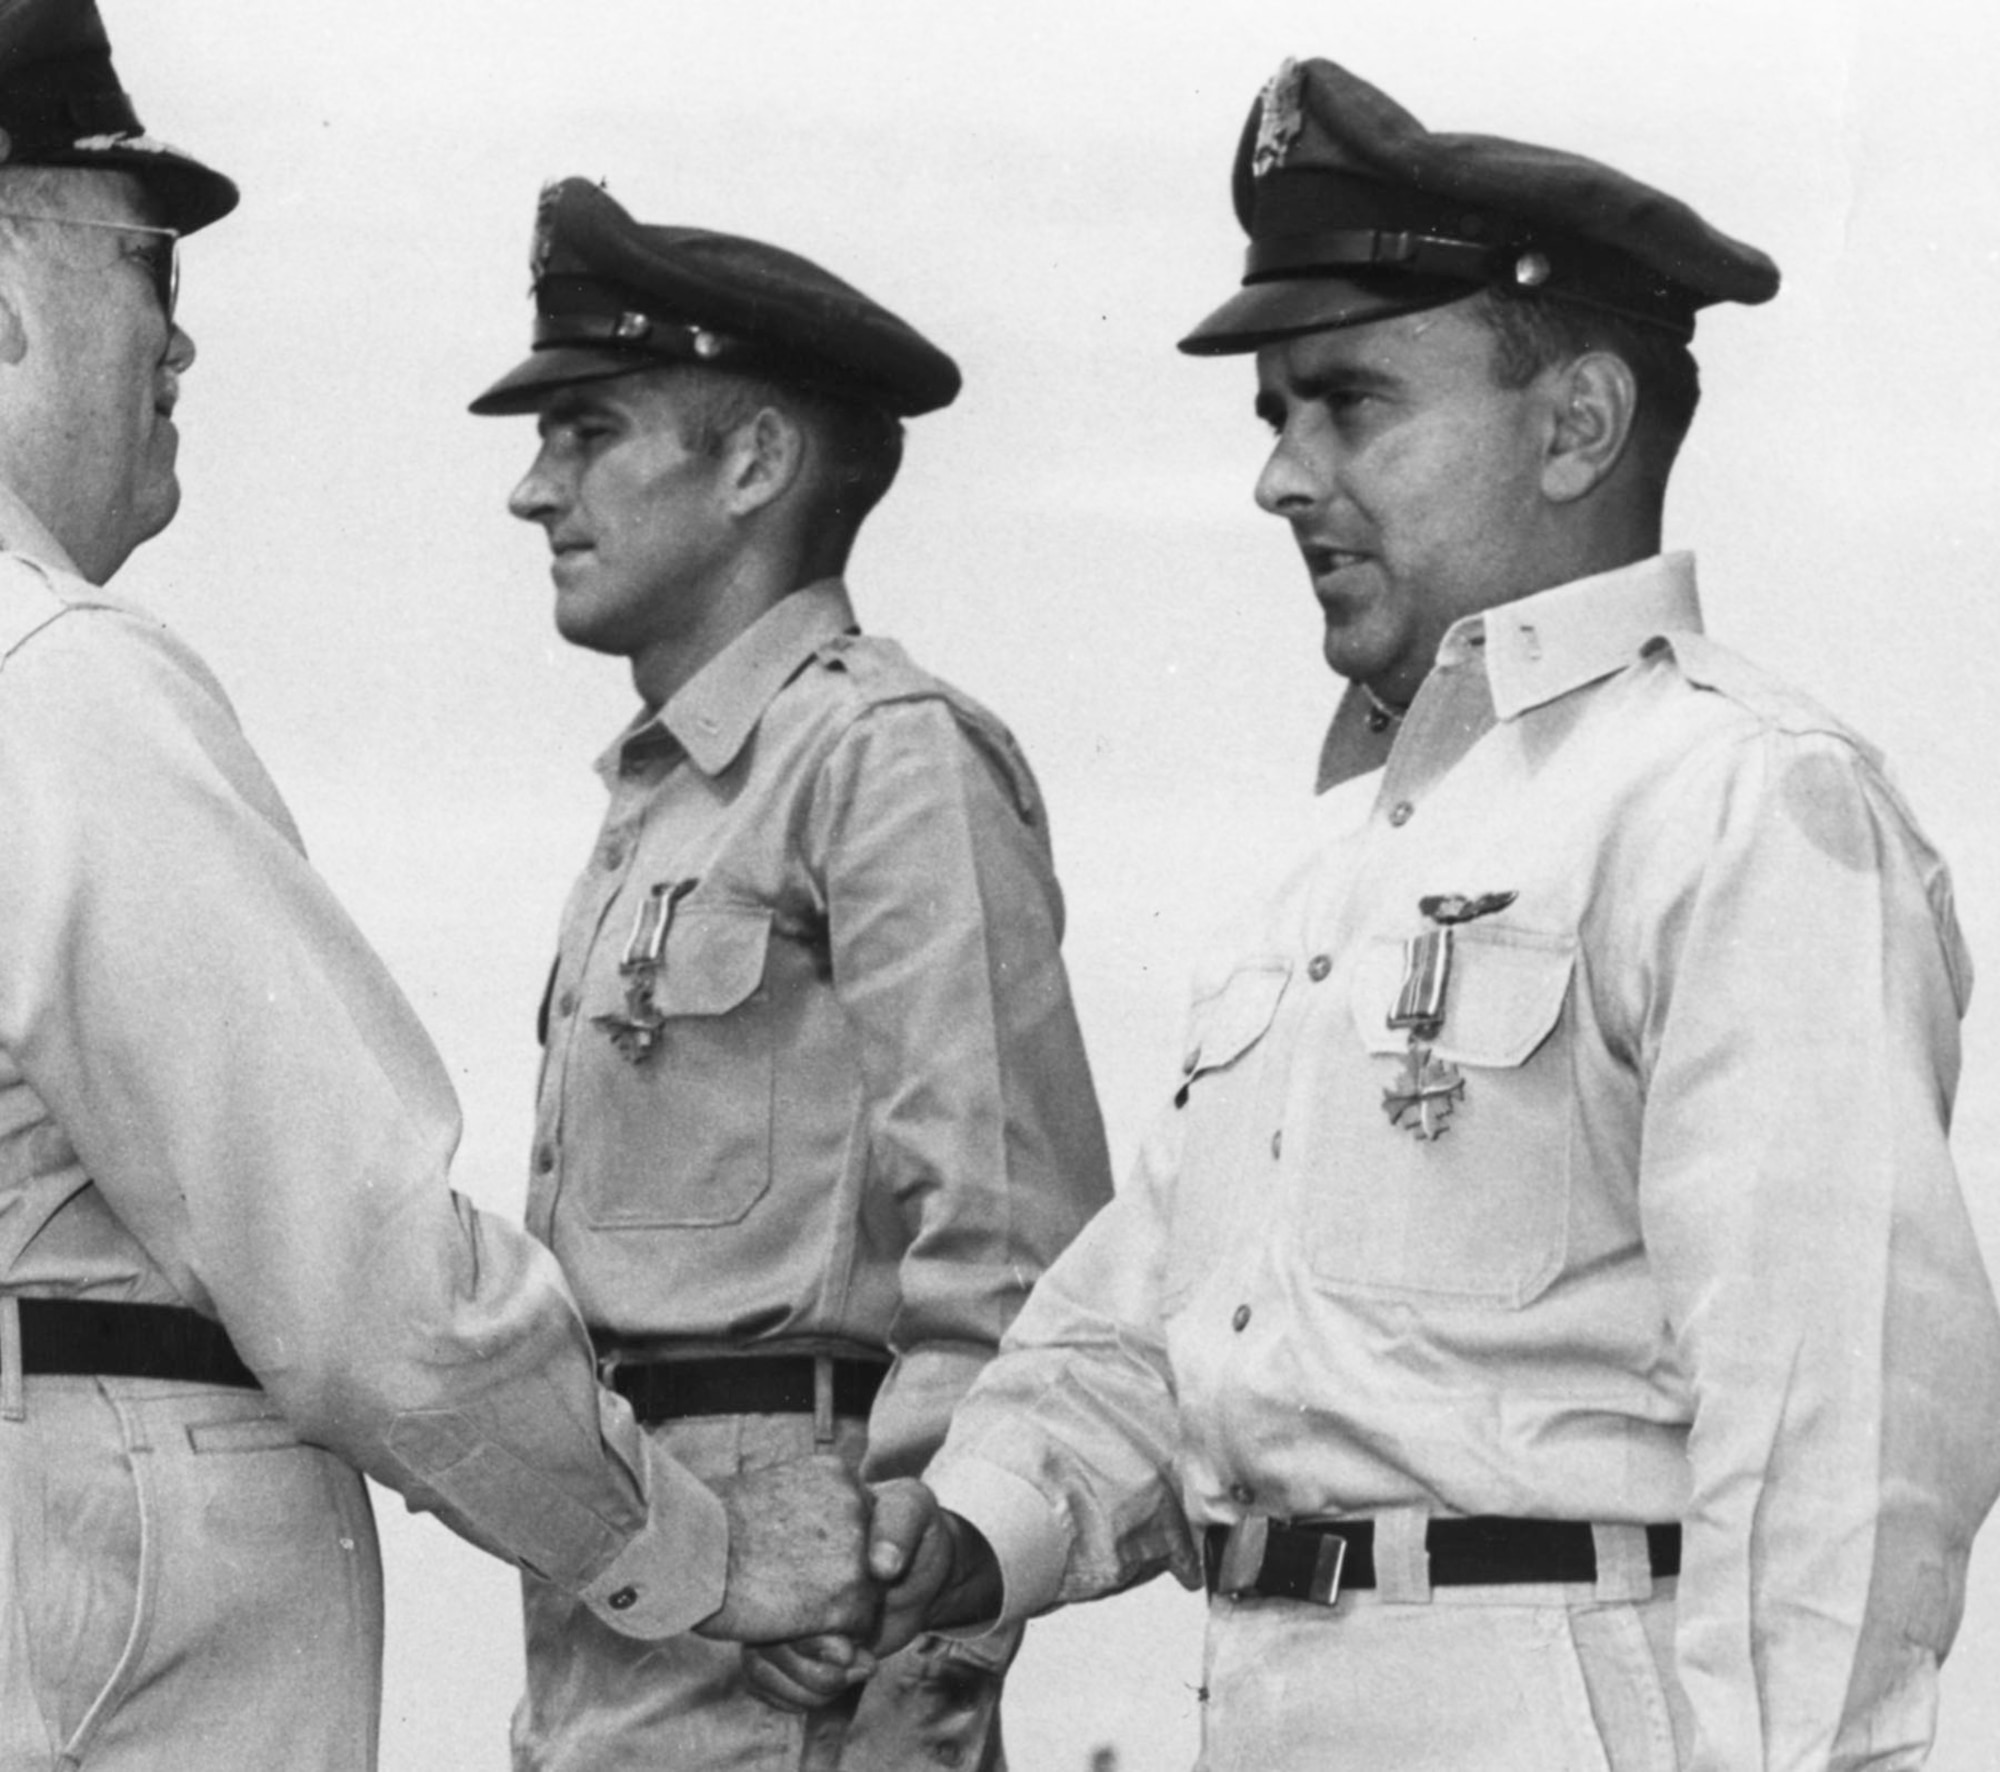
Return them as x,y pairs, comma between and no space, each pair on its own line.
258,1107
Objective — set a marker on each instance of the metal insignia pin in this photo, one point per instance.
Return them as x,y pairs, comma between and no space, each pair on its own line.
1281,116
542,241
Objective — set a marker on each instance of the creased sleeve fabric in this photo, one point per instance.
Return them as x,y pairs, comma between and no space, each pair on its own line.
1064,1456
944,923
1799,1042
218,1097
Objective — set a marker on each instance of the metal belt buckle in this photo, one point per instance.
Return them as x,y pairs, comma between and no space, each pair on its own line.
1242,1558
1247,1568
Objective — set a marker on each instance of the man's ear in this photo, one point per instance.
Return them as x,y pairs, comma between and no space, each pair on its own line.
766,456
1596,402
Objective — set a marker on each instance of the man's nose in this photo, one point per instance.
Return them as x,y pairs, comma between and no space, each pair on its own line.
534,497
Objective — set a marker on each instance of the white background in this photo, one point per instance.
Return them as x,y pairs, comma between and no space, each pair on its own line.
1042,187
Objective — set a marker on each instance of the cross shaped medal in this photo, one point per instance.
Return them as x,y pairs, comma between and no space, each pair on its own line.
638,1032
1420,1101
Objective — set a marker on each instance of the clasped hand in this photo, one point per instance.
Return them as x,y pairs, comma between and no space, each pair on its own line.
826,1579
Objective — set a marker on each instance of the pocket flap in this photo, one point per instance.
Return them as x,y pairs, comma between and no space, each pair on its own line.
1227,1022
713,959
1505,996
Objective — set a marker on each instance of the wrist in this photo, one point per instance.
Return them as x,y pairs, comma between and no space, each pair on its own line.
973,1591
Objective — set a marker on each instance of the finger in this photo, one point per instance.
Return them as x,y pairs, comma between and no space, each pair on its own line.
900,1627
788,1680
834,1650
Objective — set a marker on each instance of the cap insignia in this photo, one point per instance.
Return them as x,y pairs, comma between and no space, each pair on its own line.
543,239
706,344
631,326
1281,115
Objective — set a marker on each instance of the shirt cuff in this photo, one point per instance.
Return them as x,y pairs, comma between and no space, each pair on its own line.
675,1570
1028,1535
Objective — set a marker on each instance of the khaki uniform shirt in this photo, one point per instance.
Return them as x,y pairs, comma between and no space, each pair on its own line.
866,1117
1689,1247
212,1095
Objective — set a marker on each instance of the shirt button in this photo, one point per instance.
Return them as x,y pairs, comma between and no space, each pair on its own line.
614,853
1278,1142
624,1599
1241,1320
1401,813
1318,967
566,1003
545,1157
1243,1493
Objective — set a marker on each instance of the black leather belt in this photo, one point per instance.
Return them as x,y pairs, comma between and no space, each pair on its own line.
86,1337
667,1389
1315,1562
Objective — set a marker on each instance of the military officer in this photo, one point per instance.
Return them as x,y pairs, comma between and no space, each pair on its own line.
231,1266
814,1110
1544,1315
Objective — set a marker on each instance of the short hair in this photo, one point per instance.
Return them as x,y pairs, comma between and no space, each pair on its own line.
863,445
1533,332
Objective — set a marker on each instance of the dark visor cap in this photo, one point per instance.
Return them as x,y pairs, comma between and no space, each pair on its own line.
613,295
61,105
1356,212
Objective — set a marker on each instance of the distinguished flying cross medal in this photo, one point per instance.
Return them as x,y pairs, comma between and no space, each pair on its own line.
1423,1096
637,1032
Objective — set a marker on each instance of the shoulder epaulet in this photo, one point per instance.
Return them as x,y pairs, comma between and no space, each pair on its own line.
1709,665
883,673
30,598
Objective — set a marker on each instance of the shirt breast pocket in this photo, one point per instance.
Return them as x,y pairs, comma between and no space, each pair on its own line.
1479,1213
686,1127
1222,1077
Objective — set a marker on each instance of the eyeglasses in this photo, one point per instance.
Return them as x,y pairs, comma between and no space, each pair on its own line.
159,253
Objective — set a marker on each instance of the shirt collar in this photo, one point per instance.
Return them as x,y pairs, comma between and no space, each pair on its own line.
22,532
1540,648
713,714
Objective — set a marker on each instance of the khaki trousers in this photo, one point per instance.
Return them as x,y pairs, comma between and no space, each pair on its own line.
183,1585
1555,1678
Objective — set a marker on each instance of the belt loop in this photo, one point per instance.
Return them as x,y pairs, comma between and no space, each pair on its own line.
1624,1566
1402,1561
822,1402
13,1393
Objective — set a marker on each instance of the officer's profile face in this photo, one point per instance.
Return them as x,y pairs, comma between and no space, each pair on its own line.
91,445
1411,480
634,517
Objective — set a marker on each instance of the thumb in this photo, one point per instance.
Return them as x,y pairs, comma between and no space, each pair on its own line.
904,1512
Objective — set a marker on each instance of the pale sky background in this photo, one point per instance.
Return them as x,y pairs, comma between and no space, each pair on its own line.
1042,188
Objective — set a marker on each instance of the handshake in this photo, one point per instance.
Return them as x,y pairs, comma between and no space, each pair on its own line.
826,1577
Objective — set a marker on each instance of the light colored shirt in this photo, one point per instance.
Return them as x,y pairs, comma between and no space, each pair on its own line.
868,1118
212,1095
1689,1246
